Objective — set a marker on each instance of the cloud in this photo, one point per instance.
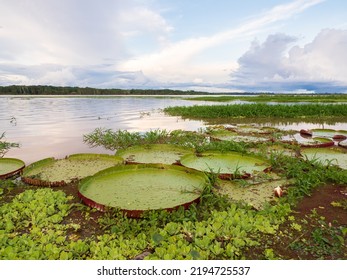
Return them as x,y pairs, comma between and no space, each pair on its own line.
274,65
123,44
176,60
73,32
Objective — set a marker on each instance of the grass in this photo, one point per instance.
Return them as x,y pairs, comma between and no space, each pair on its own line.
323,98
258,111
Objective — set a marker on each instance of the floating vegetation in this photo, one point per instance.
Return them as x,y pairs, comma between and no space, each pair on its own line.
329,133
247,134
324,98
10,167
141,187
304,140
327,156
254,194
154,153
228,165
343,144
53,172
239,111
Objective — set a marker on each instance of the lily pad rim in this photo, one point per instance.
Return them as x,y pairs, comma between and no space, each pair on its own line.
13,172
134,213
51,160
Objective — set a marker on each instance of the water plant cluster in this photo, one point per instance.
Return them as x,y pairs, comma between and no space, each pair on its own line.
51,223
285,98
5,146
259,110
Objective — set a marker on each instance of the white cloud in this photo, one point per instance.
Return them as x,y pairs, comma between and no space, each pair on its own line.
122,44
73,32
319,64
174,63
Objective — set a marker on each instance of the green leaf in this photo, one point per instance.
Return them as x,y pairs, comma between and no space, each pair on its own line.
157,238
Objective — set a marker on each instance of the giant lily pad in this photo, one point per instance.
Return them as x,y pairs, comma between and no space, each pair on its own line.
52,172
332,156
141,187
308,141
10,167
329,133
227,165
251,135
343,144
155,153
255,195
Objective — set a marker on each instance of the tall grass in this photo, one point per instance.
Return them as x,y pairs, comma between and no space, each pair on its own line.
258,110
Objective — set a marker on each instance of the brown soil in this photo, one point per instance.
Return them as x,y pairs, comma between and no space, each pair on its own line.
315,214
321,200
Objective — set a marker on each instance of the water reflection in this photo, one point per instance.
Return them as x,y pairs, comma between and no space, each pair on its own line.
46,126
54,126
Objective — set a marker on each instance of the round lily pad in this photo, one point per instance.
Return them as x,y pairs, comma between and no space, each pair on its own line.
343,144
255,195
53,172
227,165
330,133
308,141
10,167
155,153
226,135
137,188
327,156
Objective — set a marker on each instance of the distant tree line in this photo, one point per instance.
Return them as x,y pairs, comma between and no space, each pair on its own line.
53,90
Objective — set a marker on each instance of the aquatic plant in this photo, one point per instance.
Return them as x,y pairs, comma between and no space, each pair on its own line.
58,172
5,146
258,110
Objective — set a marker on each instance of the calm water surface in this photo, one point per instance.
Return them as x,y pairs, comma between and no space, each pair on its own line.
54,126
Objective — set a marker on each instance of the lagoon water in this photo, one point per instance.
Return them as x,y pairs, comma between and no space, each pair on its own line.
47,126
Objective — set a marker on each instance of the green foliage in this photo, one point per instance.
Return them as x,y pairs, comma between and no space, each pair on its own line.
122,139
53,90
5,146
258,110
30,225
325,241
276,98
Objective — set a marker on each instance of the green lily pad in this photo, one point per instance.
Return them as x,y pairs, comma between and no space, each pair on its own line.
52,172
231,163
250,134
274,149
155,153
343,144
141,187
327,156
306,141
10,167
329,133
255,195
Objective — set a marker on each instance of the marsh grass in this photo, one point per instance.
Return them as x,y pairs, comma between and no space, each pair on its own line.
259,111
122,139
276,98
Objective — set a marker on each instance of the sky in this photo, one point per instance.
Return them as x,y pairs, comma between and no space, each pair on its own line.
216,46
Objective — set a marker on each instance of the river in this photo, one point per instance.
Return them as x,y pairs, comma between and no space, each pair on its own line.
47,126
